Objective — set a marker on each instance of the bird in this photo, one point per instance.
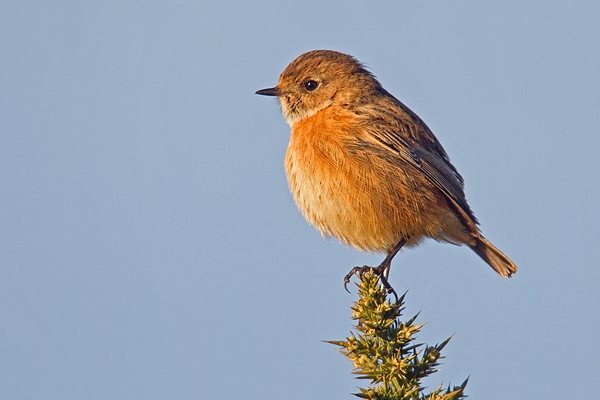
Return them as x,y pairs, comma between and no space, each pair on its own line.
365,169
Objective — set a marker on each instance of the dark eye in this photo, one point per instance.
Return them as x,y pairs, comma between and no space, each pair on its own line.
311,85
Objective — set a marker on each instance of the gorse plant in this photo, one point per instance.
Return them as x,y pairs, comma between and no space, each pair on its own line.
383,349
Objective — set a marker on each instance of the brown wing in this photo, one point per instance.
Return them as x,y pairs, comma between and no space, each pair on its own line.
399,129
410,126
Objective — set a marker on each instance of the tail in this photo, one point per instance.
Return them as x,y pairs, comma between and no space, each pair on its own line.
494,257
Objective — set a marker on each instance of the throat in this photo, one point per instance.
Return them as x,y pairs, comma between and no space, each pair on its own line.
294,112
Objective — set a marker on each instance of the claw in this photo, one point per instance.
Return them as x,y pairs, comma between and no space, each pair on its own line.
388,288
382,271
349,276
379,271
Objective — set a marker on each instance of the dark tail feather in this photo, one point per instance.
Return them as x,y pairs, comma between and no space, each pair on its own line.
494,257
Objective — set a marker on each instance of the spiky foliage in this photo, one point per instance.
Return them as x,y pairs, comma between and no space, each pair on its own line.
384,351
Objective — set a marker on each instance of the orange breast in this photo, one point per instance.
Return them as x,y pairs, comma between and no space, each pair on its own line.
353,194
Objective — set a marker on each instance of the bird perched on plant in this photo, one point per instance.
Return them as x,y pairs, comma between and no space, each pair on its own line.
365,169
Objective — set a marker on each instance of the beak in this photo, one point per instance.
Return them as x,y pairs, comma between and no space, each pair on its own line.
274,91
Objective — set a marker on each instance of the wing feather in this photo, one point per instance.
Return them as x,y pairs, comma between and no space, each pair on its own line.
401,131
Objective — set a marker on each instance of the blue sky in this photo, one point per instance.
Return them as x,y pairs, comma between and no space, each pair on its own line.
149,246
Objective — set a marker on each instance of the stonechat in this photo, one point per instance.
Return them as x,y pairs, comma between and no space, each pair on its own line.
365,169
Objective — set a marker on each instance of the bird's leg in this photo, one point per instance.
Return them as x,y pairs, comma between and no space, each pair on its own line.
384,268
382,271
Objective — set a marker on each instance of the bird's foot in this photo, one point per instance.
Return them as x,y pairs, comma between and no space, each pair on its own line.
380,272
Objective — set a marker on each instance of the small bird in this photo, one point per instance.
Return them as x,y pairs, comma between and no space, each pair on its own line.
365,169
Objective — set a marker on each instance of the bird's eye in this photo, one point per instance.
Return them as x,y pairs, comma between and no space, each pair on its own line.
311,85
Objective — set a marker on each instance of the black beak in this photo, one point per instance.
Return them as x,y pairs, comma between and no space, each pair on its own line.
274,91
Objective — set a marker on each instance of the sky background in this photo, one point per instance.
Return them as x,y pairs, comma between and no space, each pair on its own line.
149,246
